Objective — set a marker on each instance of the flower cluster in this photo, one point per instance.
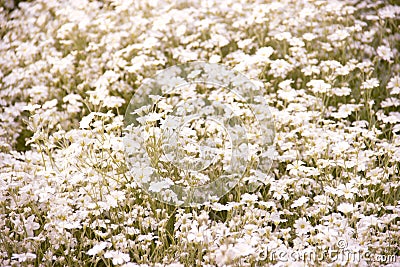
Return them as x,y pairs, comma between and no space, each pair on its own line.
198,129
328,70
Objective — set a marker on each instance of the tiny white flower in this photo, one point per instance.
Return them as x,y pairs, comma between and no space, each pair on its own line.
264,52
370,83
31,107
302,226
384,53
31,225
117,257
394,84
249,198
24,257
158,186
299,202
215,59
85,121
319,86
96,249
309,36
346,208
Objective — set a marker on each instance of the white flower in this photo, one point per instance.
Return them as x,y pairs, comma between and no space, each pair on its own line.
280,67
385,53
50,104
319,86
24,257
96,249
199,234
170,122
342,91
149,118
215,59
245,43
394,84
339,147
283,35
164,106
132,146
150,42
249,198
181,30
31,107
118,257
226,254
338,35
299,202
170,196
347,190
158,186
302,226
309,36
31,225
370,83
295,167
344,111
85,121
142,174
244,249
219,40
346,208
264,53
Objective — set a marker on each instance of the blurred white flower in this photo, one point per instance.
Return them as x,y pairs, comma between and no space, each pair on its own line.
280,67
394,84
264,53
339,147
31,225
385,53
215,59
342,91
338,35
85,121
319,86
219,40
31,107
370,83
199,234
96,249
249,198
117,257
142,173
309,36
158,186
299,202
344,111
23,257
346,208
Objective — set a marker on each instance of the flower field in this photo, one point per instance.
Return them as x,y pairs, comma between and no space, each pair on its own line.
327,74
